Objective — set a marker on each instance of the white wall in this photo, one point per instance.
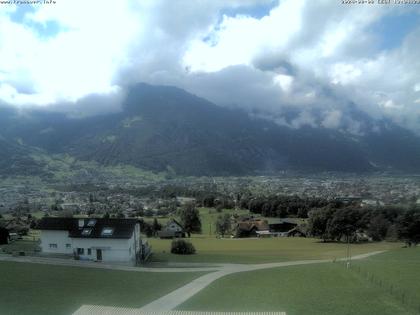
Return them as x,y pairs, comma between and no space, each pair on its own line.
135,240
113,250
61,238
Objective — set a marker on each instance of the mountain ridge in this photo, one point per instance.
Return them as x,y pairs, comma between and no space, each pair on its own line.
163,128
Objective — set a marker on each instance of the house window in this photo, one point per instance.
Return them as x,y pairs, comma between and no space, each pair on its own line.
89,251
80,251
68,245
86,232
91,222
53,245
107,231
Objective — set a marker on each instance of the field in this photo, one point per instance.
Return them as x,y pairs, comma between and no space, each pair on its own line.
260,250
44,289
215,250
397,269
325,289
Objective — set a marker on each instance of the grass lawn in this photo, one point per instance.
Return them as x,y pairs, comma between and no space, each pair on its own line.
43,289
399,269
213,250
323,289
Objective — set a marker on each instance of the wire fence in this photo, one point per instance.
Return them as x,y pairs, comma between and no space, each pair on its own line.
407,299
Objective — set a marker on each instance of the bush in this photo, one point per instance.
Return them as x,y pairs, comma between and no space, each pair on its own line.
182,247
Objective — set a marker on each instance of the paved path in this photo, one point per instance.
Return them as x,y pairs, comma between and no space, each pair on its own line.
98,265
179,296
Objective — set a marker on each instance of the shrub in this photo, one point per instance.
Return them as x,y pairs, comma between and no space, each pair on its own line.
182,247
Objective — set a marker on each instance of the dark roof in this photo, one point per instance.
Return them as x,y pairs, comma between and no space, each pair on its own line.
121,228
249,225
288,220
174,221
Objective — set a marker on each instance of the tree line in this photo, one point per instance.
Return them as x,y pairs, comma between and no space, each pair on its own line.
352,223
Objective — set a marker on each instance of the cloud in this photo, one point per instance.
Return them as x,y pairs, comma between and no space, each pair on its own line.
237,40
325,57
313,59
81,59
332,119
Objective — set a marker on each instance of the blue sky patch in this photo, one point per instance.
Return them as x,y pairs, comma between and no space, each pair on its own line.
18,16
44,30
256,11
392,29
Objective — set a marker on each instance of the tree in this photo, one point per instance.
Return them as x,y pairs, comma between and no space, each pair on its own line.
156,226
318,222
91,198
146,228
33,223
344,223
190,218
208,201
223,224
408,227
106,215
378,227
120,215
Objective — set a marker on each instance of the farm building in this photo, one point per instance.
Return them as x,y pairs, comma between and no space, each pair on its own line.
257,227
172,229
251,227
99,239
283,227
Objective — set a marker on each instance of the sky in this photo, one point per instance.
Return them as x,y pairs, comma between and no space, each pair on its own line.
320,60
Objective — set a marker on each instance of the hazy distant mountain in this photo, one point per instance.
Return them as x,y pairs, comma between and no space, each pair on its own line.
165,128
15,159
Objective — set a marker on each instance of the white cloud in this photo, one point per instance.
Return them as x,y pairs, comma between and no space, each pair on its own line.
332,119
308,56
304,119
80,60
343,73
284,81
237,40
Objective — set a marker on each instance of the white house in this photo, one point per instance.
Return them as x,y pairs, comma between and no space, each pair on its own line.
96,239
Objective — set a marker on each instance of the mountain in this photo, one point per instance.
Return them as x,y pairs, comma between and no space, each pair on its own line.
162,128
15,159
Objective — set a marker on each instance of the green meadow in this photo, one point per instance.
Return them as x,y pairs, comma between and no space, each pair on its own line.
260,250
35,289
324,289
